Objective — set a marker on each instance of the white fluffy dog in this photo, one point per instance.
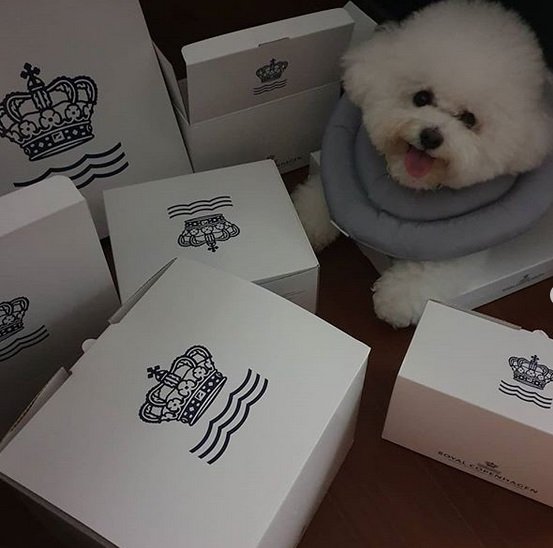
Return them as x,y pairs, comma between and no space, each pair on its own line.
453,96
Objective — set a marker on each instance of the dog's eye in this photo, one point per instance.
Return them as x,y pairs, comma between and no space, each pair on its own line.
468,118
423,97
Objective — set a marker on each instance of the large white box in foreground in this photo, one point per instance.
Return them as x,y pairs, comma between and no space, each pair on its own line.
223,422
239,219
477,395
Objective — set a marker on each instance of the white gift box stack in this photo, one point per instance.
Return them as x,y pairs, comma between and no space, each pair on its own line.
477,394
223,422
263,92
239,219
56,288
222,389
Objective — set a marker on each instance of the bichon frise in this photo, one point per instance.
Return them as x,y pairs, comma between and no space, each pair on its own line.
453,96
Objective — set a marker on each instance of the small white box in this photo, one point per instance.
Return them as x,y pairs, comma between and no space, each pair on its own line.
56,288
223,422
473,393
284,130
239,219
263,92
495,272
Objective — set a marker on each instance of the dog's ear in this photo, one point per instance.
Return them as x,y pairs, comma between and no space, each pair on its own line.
363,65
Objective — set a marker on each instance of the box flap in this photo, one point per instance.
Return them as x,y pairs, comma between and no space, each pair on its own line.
246,68
363,27
496,366
28,205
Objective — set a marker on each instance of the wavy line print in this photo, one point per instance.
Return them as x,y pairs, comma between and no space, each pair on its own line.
199,202
103,175
269,87
24,342
22,338
266,90
230,400
235,413
179,213
542,398
272,85
249,405
109,163
520,397
52,170
529,397
197,206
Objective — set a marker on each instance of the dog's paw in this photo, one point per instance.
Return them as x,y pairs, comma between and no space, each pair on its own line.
310,203
400,296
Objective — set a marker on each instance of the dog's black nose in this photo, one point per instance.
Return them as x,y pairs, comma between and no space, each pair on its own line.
431,138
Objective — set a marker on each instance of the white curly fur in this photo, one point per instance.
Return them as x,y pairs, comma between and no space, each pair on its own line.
473,56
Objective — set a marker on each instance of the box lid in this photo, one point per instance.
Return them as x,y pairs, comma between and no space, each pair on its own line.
496,366
28,205
256,232
249,67
184,468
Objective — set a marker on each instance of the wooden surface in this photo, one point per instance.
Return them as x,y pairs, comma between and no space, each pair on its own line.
384,495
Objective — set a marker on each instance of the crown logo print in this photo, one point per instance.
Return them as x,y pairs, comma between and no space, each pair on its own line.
207,230
272,71
11,316
530,372
51,118
185,391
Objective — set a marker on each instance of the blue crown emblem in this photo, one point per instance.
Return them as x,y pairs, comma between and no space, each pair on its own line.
185,391
530,372
207,230
11,316
48,119
272,71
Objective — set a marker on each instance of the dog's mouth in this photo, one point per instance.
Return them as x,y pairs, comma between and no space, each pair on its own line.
417,162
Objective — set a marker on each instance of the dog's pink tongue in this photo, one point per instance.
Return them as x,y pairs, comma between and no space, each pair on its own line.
417,162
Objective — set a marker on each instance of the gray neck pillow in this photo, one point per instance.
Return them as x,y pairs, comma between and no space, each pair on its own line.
377,212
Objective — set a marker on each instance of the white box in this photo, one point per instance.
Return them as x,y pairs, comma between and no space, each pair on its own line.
137,466
493,273
81,103
260,238
56,288
284,130
263,92
472,393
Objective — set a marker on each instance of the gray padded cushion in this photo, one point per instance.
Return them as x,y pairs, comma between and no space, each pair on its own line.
419,225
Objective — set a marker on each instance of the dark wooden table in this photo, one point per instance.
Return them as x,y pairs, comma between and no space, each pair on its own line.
384,495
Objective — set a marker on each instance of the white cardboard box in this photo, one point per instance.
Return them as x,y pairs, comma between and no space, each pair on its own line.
96,111
501,270
284,130
477,394
493,273
262,92
223,424
240,219
56,288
